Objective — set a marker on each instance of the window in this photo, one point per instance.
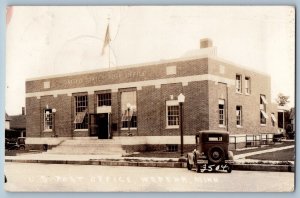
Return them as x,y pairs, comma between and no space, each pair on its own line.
263,108
221,112
238,83
172,147
247,85
104,99
48,119
128,109
280,120
172,111
173,115
239,116
273,118
81,108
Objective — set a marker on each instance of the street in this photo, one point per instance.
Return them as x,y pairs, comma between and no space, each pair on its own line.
81,178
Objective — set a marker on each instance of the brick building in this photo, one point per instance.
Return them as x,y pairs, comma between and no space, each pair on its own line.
139,102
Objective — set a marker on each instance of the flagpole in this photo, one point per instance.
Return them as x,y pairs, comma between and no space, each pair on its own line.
108,46
106,43
109,54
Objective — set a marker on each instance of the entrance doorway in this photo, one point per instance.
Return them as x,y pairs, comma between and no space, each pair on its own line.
99,125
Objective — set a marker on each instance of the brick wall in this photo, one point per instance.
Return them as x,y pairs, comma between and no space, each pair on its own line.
33,117
149,111
200,107
260,84
119,75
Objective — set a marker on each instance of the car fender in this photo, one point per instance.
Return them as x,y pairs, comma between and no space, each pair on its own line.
230,155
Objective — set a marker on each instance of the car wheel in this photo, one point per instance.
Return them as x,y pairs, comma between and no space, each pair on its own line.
229,169
216,154
22,147
198,168
188,165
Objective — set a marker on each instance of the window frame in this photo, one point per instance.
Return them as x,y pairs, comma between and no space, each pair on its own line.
50,126
103,99
174,104
133,121
247,85
83,107
238,83
273,119
221,116
263,109
239,118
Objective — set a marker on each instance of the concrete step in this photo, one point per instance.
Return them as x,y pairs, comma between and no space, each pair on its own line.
85,146
89,142
93,144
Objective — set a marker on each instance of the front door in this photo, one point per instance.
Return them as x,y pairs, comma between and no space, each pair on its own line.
103,125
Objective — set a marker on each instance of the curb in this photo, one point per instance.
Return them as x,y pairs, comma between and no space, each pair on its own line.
248,167
264,167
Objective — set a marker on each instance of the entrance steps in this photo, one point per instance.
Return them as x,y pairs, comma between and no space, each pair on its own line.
88,147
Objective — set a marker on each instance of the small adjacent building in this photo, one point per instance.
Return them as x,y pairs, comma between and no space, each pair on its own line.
15,125
7,121
139,102
18,123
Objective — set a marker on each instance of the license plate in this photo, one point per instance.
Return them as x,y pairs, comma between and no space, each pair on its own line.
212,167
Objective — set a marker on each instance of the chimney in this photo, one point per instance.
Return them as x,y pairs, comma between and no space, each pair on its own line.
206,43
23,110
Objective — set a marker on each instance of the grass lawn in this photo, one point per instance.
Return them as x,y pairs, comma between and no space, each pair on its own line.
283,155
277,145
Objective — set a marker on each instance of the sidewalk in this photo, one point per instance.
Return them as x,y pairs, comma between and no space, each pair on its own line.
117,160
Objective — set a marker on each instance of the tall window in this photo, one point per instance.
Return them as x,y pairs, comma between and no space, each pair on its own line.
129,109
238,116
48,119
221,112
81,109
247,85
238,83
273,118
263,109
172,111
104,99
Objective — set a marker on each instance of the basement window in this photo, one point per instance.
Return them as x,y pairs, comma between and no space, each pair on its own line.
172,147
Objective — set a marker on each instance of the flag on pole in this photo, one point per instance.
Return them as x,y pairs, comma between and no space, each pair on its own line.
106,40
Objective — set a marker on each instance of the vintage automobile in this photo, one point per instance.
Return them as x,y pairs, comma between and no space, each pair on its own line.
211,152
15,143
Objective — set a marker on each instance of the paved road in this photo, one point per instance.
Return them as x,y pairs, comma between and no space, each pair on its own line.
70,178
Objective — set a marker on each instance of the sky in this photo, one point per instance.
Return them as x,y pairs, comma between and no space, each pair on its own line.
53,40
